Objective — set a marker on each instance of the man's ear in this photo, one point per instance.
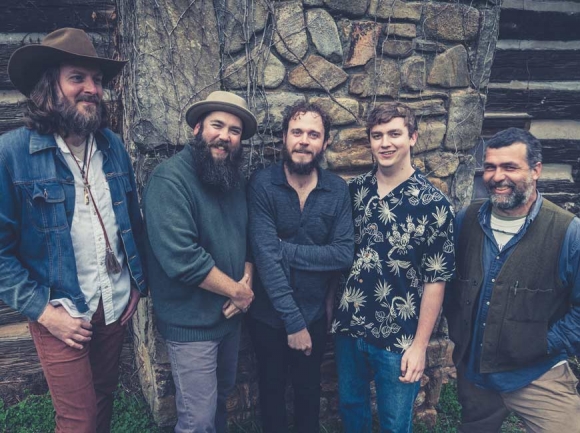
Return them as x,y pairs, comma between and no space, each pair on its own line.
414,137
196,128
537,171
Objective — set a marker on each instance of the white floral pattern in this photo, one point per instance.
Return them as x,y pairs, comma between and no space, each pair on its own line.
402,241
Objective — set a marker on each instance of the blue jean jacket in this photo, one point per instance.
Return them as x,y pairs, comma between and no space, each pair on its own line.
37,197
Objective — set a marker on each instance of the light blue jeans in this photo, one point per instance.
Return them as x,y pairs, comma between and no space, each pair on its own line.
358,363
204,373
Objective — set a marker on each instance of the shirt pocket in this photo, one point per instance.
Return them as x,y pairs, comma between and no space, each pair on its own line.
320,227
45,206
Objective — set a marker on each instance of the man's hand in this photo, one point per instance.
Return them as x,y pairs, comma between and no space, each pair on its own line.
229,309
131,306
244,294
74,332
301,341
412,364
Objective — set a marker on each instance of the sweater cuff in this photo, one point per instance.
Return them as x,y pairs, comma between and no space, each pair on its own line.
294,323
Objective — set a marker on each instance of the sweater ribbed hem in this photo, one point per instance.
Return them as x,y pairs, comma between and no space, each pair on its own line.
184,334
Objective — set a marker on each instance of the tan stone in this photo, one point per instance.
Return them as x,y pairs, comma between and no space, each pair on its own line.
419,164
290,37
402,30
426,107
398,48
465,120
441,164
450,21
450,68
413,73
317,73
234,28
269,111
349,138
387,9
342,111
364,36
324,34
354,158
431,135
382,78
350,7
265,69
440,184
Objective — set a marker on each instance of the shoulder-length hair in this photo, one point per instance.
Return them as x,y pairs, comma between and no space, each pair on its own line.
42,113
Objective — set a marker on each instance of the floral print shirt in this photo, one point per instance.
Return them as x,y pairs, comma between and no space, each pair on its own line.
402,241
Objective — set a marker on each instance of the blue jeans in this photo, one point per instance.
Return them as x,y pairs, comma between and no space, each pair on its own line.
204,373
358,362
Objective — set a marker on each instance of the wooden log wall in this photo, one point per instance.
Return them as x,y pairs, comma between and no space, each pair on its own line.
24,22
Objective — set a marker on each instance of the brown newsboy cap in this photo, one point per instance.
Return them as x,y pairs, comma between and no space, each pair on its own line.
28,63
228,102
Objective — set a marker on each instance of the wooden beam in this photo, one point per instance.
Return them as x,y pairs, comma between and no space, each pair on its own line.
49,15
539,25
9,316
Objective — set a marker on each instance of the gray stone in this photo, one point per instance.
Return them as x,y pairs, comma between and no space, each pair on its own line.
324,34
290,37
450,21
441,164
430,136
402,30
450,68
317,73
364,36
482,58
342,111
423,45
257,14
428,107
350,138
387,9
398,48
269,111
349,7
413,73
465,119
352,158
264,69
462,186
313,2
381,78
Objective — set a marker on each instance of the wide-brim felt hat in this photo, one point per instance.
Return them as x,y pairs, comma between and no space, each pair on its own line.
228,102
28,63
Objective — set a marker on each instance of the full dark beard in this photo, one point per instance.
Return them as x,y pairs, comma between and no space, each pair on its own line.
224,174
300,168
75,122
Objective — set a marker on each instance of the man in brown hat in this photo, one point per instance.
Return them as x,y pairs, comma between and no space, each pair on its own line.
69,225
200,274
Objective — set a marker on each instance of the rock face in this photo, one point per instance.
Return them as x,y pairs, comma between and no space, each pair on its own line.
431,135
401,30
290,37
317,73
270,108
452,22
441,164
342,111
387,9
398,48
233,27
450,68
465,120
324,34
413,73
364,36
263,67
381,78
348,7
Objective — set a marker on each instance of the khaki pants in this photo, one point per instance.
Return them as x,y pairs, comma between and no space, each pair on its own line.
82,382
550,404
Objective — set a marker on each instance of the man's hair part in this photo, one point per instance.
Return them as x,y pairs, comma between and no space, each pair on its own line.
511,136
303,107
388,111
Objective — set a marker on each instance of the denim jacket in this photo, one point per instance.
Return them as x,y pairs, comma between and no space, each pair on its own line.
37,197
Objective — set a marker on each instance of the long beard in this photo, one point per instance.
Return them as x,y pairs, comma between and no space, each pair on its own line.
75,122
517,197
300,168
222,174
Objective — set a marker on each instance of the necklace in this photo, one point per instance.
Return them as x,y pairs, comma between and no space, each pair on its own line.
86,165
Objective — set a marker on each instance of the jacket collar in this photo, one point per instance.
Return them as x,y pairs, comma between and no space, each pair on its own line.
40,142
279,177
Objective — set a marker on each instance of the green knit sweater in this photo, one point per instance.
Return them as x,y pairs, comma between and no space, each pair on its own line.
190,229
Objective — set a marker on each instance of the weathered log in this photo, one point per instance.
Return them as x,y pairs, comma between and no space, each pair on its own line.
543,100
495,122
539,25
9,316
9,42
49,15
536,61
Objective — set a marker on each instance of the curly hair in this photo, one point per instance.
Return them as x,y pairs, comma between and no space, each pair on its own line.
41,110
510,136
303,107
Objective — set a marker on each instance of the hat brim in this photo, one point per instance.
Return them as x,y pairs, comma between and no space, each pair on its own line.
28,63
249,122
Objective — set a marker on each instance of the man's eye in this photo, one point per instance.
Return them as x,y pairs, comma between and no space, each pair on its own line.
488,168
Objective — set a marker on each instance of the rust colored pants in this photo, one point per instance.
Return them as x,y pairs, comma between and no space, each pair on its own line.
82,382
